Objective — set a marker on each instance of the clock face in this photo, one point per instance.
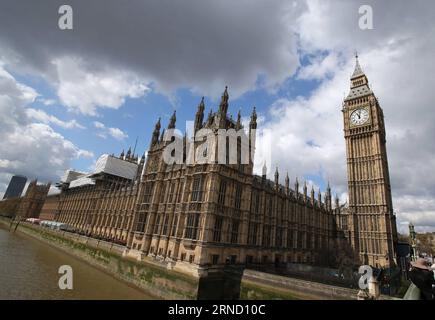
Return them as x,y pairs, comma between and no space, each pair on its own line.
359,117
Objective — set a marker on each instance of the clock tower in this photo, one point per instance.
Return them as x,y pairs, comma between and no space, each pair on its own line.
371,220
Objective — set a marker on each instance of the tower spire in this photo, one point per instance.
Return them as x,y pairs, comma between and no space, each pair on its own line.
264,170
276,177
156,133
358,70
253,122
210,117
359,83
287,184
171,124
239,121
297,185
223,107
199,118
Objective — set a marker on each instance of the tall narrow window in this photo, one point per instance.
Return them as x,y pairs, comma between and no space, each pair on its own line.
174,225
257,202
253,233
270,207
171,192
279,237
140,225
217,229
197,189
222,191
165,225
266,235
163,192
238,199
289,238
157,225
234,231
148,192
192,226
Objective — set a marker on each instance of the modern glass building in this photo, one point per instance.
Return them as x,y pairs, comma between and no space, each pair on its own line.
16,187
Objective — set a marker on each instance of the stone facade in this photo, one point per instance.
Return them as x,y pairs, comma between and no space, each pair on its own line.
104,209
198,216
201,216
31,204
50,209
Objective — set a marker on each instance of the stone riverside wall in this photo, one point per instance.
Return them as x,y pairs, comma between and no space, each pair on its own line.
260,285
256,285
149,276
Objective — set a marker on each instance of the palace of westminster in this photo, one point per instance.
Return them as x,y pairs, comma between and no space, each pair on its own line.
202,215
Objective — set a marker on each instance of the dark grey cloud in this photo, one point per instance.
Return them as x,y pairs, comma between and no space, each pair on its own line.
201,45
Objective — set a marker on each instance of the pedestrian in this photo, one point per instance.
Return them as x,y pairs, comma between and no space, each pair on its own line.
423,277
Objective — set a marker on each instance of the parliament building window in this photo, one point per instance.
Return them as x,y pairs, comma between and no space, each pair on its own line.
234,231
148,192
174,225
266,236
253,233
279,237
269,212
196,190
171,192
217,229
238,199
289,239
192,226
163,193
222,191
165,225
215,259
156,225
257,202
140,226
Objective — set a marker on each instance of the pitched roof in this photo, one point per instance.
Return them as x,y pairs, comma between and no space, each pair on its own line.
358,71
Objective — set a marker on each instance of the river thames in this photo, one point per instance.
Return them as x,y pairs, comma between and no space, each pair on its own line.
29,270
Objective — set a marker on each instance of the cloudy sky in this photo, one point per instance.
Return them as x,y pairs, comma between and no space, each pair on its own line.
67,96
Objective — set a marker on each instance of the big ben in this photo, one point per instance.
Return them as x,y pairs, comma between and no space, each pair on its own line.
372,221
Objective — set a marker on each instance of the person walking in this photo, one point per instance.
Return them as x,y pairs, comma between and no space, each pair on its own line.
423,277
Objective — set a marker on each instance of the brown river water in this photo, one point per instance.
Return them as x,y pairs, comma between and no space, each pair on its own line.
29,270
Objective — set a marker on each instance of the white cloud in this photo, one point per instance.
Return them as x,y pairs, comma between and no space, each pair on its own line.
397,58
82,89
28,148
43,117
47,102
99,125
118,134
104,131
320,67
